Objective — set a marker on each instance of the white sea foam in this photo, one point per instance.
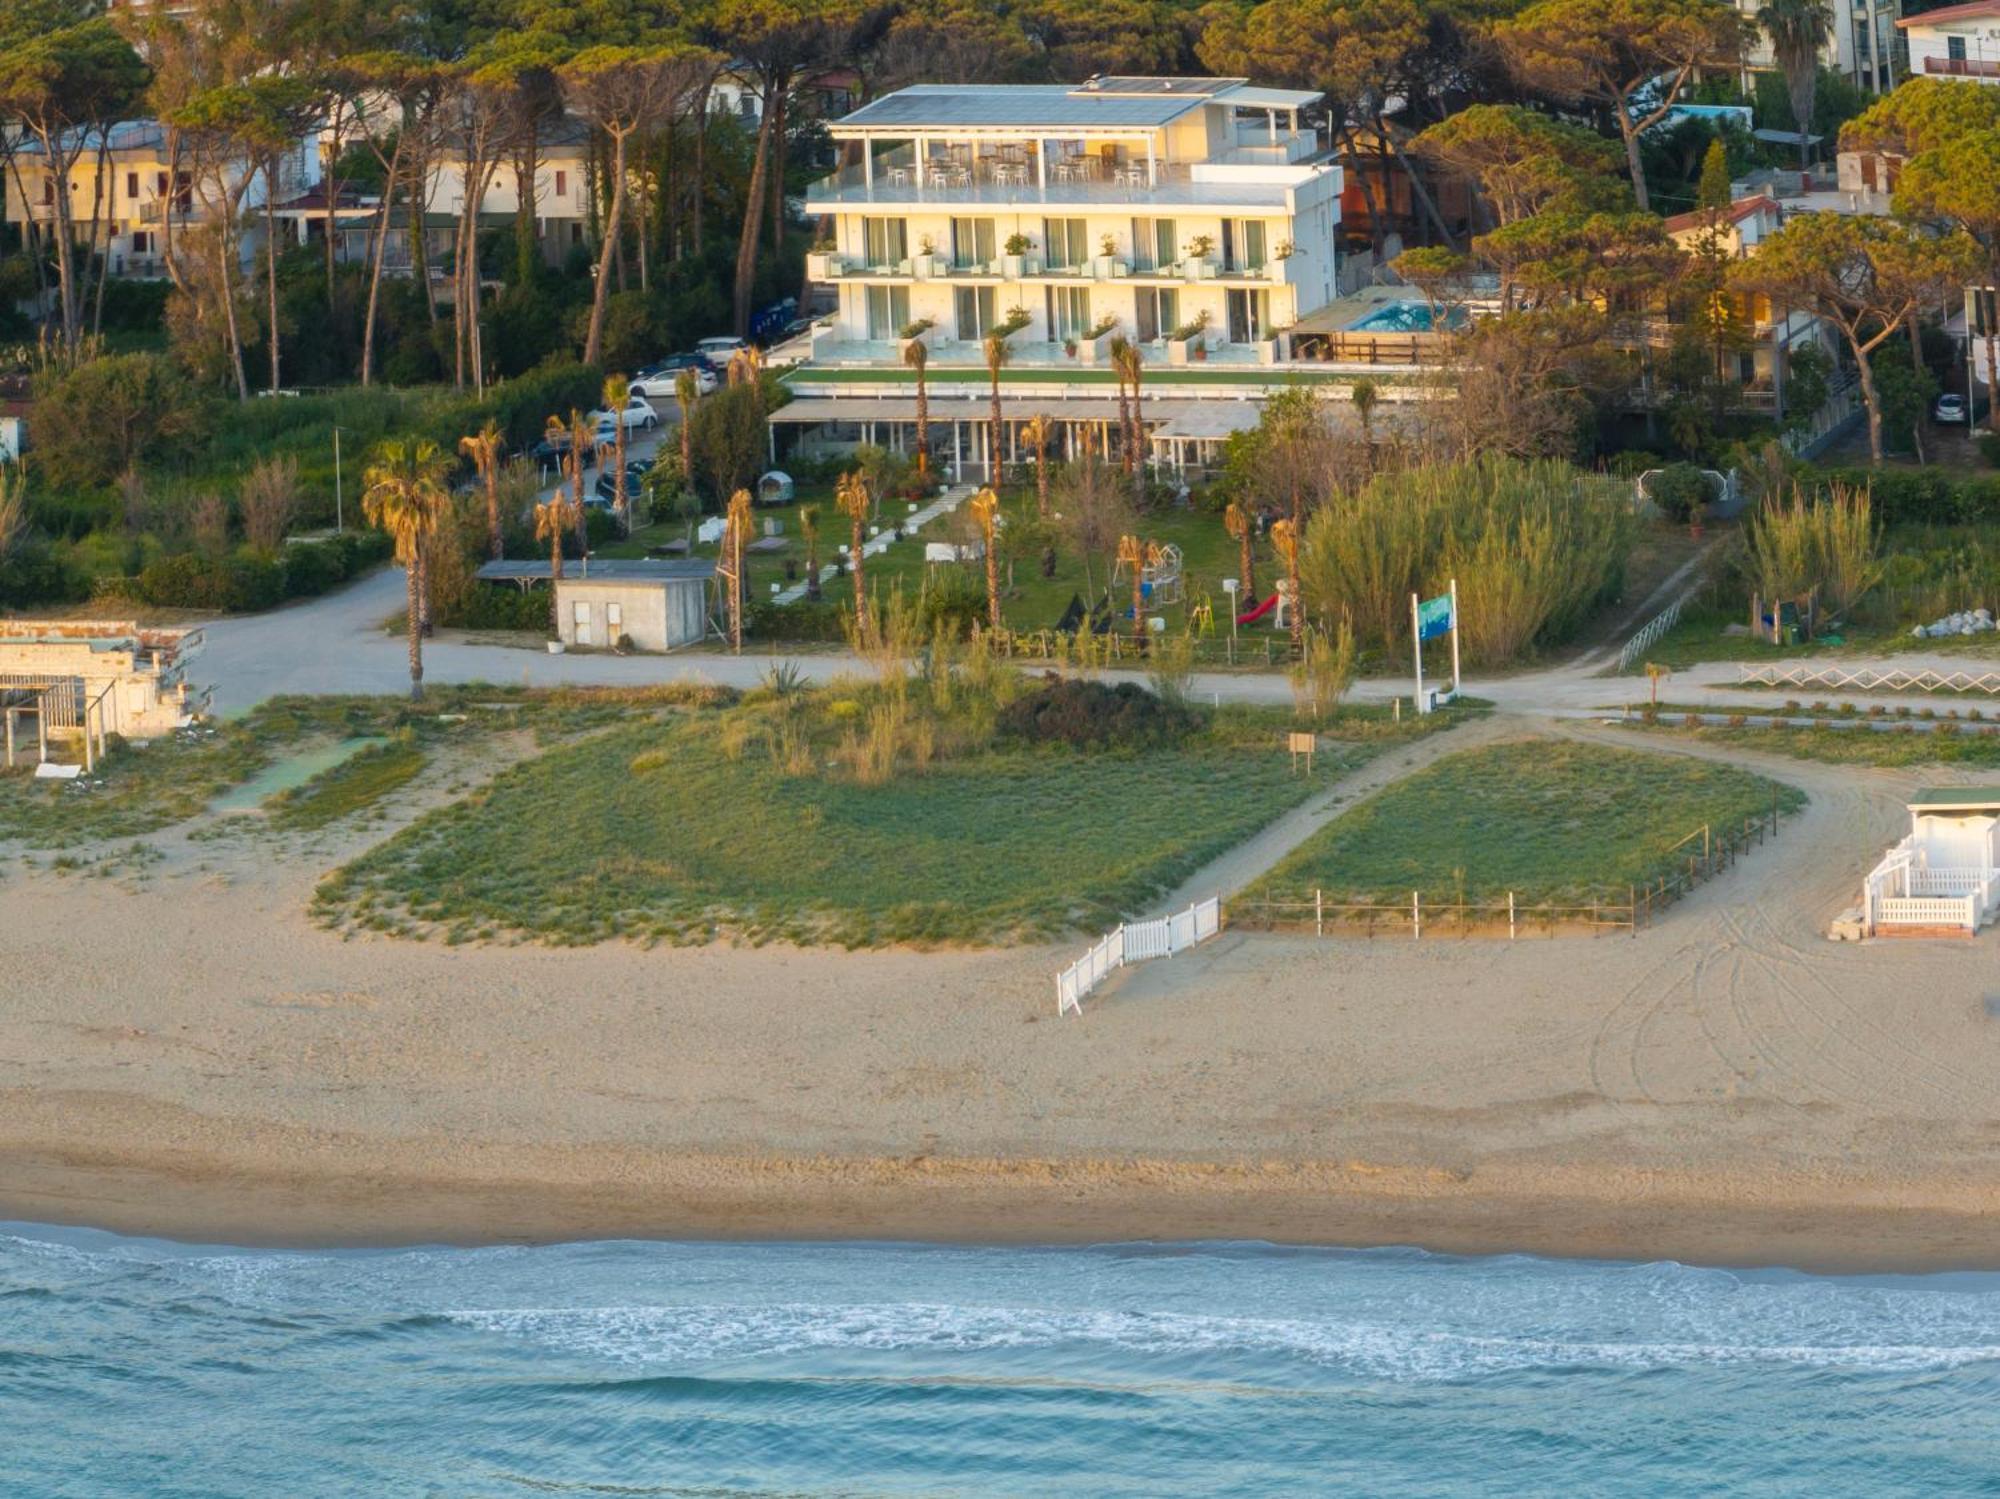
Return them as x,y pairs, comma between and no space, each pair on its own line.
673,1336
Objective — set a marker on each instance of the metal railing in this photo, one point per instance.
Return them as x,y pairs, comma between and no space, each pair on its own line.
1134,942
1650,634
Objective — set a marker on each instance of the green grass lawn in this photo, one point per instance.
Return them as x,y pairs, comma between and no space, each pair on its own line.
1032,602
137,790
1550,820
676,831
1909,742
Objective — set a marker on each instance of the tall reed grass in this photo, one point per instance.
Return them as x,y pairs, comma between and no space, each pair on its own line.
1825,543
1534,545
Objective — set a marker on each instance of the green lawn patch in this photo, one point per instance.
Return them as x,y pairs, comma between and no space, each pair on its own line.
1905,742
1550,820
355,784
747,823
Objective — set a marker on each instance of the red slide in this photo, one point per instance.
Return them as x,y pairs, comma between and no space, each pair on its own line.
1259,612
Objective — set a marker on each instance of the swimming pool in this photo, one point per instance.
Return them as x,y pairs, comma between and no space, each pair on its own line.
1403,317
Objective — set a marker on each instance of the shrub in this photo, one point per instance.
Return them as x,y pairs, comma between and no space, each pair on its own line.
39,574
523,405
1091,715
94,422
489,606
800,621
1680,490
1989,448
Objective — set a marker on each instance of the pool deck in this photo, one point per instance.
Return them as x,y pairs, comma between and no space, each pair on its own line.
1341,314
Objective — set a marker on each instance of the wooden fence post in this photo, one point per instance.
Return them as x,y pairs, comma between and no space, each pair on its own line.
1416,916
1510,916
1319,912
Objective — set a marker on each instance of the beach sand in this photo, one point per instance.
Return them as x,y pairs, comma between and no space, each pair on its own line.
186,1054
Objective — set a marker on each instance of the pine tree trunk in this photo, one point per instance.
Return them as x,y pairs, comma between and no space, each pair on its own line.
594,343
381,249
746,242
271,262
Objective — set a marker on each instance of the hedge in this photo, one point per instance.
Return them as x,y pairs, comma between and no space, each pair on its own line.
246,580
1922,496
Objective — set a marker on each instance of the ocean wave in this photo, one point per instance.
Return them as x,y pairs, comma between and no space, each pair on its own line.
685,1336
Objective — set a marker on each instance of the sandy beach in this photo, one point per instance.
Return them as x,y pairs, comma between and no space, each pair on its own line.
183,1052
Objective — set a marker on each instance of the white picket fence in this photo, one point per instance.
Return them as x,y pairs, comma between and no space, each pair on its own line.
1818,678
1134,942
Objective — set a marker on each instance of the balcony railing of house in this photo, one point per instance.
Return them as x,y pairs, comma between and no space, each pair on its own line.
154,210
1963,67
831,266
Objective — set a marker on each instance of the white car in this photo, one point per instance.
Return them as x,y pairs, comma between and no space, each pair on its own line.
1949,409
638,413
719,350
661,387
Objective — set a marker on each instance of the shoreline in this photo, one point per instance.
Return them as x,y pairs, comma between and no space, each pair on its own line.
374,1196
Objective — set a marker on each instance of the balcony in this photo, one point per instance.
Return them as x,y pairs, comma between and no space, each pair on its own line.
1963,67
989,179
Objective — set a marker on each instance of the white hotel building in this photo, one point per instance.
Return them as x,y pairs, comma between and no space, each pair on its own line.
1194,216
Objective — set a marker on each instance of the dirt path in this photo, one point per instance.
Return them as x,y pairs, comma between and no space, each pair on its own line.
1257,855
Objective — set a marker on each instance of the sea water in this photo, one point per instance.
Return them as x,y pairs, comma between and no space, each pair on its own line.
134,1367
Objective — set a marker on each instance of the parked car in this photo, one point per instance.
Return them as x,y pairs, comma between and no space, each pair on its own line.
719,350
1949,408
635,477
638,413
659,385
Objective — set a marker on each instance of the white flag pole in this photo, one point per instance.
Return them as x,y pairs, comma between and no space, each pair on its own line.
1454,638
1417,645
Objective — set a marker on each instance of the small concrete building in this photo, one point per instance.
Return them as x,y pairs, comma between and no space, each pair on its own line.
102,676
657,605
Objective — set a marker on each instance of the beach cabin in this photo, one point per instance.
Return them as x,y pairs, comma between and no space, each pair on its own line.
1942,878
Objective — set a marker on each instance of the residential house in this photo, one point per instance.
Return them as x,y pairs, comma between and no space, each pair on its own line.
1774,334
1862,45
125,209
1194,216
1957,41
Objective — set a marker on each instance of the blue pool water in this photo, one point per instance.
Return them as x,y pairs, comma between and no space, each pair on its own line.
134,1367
1403,317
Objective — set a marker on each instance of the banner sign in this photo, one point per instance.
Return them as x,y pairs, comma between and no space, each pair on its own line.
1434,617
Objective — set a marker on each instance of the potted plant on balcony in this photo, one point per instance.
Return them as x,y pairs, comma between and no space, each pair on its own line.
1189,340
913,333
822,263
1091,344
928,262
1197,266
1276,347
1014,257
1108,264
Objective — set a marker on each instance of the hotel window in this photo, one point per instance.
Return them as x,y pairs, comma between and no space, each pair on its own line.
1153,247
1954,48
562,184
132,187
886,241
971,244
1249,316
974,307
1243,245
1159,311
888,312
1067,244
1068,312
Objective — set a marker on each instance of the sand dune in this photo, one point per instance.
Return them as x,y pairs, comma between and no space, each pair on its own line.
190,1055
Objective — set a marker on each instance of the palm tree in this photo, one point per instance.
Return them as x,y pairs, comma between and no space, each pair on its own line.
745,365
809,532
985,505
403,493
917,357
1236,520
1365,395
551,520
484,448
1799,30
736,536
1131,364
1038,431
850,498
582,443
997,354
687,390
618,391
1119,344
